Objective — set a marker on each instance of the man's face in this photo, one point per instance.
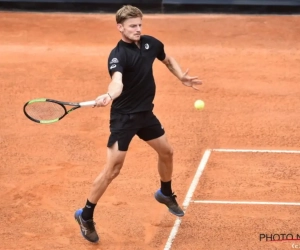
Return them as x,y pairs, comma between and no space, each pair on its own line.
131,29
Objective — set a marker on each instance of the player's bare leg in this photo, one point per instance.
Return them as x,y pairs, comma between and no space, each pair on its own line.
115,161
165,157
84,217
165,170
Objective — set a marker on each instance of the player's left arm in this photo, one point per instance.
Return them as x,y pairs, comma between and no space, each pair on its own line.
173,66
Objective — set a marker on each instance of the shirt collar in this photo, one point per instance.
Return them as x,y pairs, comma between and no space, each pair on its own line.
131,45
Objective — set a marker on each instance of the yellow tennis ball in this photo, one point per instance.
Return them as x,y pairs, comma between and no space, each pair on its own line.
199,104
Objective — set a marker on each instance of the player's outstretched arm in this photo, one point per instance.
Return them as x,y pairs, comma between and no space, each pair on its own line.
114,90
173,66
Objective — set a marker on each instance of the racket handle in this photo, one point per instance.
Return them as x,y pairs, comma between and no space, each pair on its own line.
87,104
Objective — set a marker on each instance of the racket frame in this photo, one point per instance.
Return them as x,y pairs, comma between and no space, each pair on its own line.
75,105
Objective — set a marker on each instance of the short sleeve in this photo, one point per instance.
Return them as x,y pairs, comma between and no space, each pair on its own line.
161,55
115,62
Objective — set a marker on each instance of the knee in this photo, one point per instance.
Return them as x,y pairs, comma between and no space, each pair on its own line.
112,175
113,172
167,153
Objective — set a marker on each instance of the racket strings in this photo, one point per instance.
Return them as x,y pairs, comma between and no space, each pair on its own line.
44,110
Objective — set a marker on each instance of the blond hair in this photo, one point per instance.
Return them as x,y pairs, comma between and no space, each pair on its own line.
126,12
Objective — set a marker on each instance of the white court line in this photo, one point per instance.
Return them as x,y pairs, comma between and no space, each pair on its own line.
188,197
203,162
257,151
248,202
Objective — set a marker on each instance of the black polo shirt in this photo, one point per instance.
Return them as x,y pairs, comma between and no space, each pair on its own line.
135,64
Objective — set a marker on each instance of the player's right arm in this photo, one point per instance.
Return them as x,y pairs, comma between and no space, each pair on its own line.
114,90
115,64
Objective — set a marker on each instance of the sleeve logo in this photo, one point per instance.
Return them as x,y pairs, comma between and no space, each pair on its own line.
113,66
114,60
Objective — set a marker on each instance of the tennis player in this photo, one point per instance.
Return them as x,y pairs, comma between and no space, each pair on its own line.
131,92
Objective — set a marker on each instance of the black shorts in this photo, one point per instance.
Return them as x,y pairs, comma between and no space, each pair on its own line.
124,127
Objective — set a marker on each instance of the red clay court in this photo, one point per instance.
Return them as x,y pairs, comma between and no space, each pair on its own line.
250,70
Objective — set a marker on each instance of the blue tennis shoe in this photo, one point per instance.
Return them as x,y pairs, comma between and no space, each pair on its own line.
170,202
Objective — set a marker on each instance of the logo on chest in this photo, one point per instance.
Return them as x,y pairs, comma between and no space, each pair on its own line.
147,46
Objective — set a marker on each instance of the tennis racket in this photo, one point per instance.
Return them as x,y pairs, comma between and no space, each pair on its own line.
47,111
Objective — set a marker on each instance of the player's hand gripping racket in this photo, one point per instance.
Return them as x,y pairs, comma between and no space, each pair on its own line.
46,111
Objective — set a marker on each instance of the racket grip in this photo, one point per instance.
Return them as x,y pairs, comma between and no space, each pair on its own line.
87,104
